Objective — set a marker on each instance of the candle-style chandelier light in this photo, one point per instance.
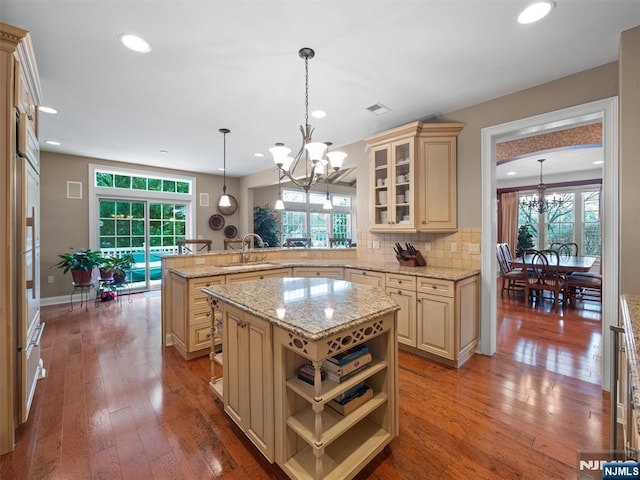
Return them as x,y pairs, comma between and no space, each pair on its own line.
540,202
313,165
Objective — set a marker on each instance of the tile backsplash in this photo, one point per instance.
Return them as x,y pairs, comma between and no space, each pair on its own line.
451,249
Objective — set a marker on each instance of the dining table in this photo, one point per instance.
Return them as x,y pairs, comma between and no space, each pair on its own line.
568,263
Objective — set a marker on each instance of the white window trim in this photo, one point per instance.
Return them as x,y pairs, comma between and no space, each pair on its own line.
96,193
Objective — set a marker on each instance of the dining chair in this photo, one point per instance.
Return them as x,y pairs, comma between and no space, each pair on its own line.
542,274
298,242
512,278
584,286
339,242
566,249
193,246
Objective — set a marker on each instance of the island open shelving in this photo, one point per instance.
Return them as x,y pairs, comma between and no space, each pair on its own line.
263,347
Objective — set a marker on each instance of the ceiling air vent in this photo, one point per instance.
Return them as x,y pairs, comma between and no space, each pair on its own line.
378,109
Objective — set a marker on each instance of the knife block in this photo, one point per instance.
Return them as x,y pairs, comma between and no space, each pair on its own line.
412,259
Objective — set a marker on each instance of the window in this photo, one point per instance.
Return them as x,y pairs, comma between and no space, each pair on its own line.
141,213
303,217
577,220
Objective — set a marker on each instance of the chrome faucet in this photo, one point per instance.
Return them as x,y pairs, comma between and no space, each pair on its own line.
246,255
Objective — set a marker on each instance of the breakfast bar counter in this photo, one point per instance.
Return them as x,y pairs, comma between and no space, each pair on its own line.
273,328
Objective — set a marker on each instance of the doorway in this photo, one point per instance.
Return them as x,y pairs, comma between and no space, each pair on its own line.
143,229
605,111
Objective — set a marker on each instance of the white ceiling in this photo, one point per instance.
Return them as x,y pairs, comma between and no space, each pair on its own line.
234,64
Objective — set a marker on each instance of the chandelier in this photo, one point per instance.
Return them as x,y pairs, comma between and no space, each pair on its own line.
540,202
313,164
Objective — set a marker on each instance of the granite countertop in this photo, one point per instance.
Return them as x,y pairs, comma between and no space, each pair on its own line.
312,308
631,323
442,273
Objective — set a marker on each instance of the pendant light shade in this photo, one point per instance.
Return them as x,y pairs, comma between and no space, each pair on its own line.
224,200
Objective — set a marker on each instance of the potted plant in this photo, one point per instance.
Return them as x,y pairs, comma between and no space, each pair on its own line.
107,268
121,265
81,263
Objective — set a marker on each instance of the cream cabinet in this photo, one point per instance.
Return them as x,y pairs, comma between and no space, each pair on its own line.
402,289
326,272
447,319
392,185
413,178
261,275
20,321
364,277
191,314
248,377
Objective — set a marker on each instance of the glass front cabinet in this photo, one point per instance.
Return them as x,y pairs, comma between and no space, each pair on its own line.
393,179
413,178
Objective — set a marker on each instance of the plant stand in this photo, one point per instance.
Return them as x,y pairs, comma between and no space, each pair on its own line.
83,289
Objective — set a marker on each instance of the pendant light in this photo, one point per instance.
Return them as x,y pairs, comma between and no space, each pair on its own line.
279,202
224,200
304,170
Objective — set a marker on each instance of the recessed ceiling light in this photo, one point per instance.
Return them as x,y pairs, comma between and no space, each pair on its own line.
598,162
511,173
536,11
164,152
135,43
53,142
318,114
221,169
258,154
46,109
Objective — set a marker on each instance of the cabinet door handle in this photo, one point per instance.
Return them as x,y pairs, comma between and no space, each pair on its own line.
208,284
399,292
434,286
208,314
242,324
364,273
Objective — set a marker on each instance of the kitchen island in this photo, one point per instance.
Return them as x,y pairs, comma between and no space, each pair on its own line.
271,328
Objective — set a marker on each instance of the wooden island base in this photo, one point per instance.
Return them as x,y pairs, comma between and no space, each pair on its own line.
290,420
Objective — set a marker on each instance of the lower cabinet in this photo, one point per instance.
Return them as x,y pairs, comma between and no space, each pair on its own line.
402,289
326,272
248,377
437,318
364,277
191,314
447,319
243,277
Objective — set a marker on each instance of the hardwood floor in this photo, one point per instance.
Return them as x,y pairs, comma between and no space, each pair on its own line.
115,404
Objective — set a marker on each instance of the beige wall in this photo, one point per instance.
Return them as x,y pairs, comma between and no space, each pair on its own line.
65,222
629,68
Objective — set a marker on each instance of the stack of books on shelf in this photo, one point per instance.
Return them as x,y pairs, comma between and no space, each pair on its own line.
306,373
351,399
346,364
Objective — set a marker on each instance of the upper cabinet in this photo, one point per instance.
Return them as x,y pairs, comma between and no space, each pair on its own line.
413,178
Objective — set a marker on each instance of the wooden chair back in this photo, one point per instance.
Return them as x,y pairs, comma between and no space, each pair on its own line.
339,242
298,242
193,246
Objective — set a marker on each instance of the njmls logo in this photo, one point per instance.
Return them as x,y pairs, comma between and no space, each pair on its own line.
621,471
591,465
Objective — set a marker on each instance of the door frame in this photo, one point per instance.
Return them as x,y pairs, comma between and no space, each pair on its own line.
607,111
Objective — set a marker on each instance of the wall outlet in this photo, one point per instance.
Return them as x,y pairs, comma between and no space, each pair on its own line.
427,246
474,248
199,261
454,247
376,244
50,279
199,237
